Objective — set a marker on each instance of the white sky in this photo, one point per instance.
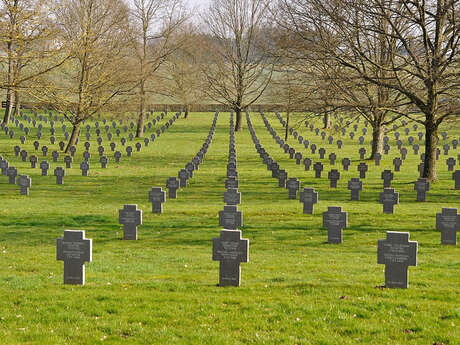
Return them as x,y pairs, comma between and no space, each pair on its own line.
199,3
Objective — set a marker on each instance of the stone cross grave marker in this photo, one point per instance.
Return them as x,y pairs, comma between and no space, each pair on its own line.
346,163
282,178
231,250
117,156
68,162
24,183
456,178
389,198
59,172
183,177
74,249
12,172
397,162
232,197
362,168
333,176
4,166
355,185
173,185
130,217
44,166
421,186
157,196
293,185
33,161
230,218
231,182
387,177
84,167
104,161
450,163
397,253
318,168
448,222
309,198
307,163
334,220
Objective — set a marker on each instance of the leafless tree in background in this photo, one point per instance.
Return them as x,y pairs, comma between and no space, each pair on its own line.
153,26
239,67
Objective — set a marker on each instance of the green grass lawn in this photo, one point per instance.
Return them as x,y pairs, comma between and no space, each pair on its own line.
162,289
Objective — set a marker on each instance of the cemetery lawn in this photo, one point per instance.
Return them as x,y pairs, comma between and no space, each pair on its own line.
162,289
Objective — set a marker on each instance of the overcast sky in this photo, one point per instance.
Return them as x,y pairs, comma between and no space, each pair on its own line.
200,3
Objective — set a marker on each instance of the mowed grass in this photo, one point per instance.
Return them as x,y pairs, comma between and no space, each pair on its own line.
162,289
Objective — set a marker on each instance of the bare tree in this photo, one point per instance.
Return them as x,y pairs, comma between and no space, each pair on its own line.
181,77
238,68
153,25
28,33
96,72
417,59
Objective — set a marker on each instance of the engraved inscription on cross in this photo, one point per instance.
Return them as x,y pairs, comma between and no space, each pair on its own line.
230,249
397,253
74,249
230,218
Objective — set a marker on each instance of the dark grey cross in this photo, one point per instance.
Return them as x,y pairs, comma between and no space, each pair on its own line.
389,198
157,196
397,162
397,253
24,183
451,163
24,155
355,185
74,249
456,178
346,163
33,161
318,167
387,177
362,168
322,152
448,222
362,152
307,163
231,182
117,156
130,217
173,185
129,151
59,172
44,166
421,167
231,250
232,197
84,167
103,160
309,198
282,178
183,177
292,185
68,161
334,220
298,158
230,218
332,158
421,186
333,176
55,156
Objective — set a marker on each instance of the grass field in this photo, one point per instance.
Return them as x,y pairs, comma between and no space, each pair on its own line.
162,289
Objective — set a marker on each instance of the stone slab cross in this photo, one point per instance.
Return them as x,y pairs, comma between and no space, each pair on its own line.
355,185
74,249
157,196
421,186
130,217
232,197
309,198
173,185
231,250
448,222
335,220
59,172
397,253
24,183
389,198
230,218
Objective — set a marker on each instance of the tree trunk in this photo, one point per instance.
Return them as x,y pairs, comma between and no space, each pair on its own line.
9,106
431,138
73,137
186,111
17,104
286,132
238,124
327,121
377,140
140,120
